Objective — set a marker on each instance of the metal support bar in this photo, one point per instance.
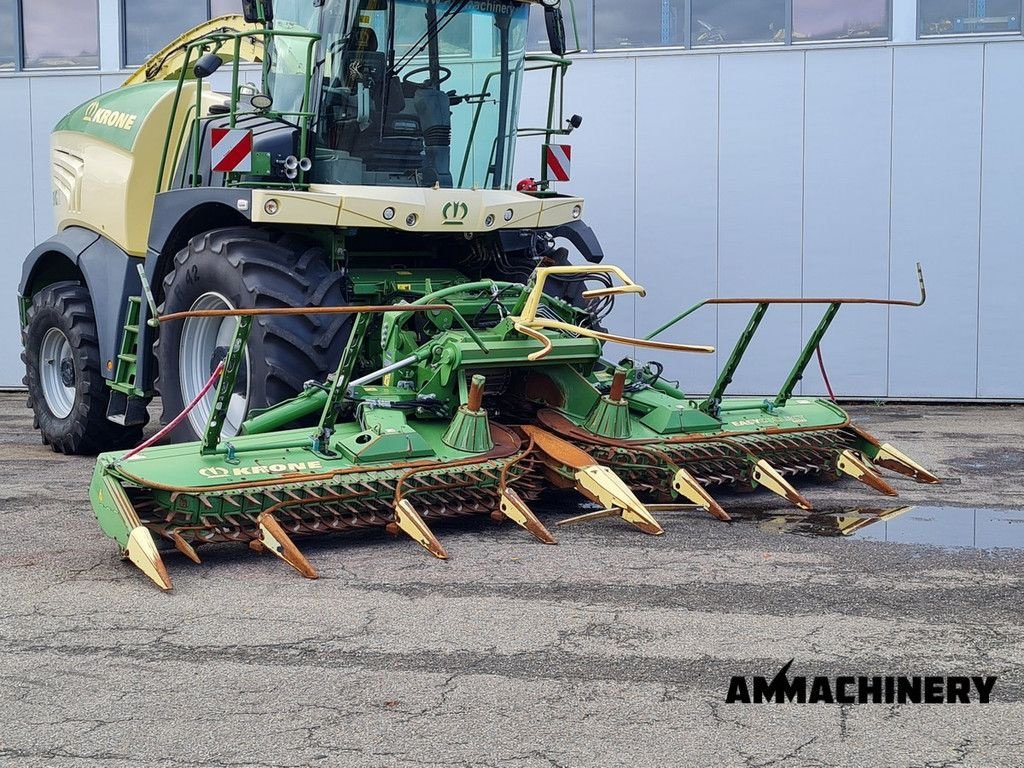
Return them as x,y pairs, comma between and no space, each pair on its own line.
721,302
725,377
805,356
154,313
226,386
342,376
378,375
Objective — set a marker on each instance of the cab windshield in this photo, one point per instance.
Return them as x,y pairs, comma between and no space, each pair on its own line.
418,92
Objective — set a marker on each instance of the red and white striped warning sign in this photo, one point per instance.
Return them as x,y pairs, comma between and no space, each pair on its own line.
231,150
558,159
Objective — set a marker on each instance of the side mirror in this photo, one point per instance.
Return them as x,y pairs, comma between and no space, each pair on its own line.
556,29
207,64
251,9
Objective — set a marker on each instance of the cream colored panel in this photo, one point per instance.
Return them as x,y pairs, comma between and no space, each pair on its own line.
286,207
109,190
561,211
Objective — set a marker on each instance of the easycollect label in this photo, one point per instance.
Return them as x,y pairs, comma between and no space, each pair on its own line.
214,473
768,422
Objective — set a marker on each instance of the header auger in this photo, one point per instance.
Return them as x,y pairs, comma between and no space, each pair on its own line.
495,395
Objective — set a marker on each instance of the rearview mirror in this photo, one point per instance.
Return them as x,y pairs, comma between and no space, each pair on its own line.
251,10
556,29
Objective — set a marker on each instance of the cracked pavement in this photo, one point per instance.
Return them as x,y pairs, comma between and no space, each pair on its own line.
612,649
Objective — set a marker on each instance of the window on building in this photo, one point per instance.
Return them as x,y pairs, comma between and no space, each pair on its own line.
737,22
225,8
968,17
639,23
149,25
538,30
56,33
8,35
840,20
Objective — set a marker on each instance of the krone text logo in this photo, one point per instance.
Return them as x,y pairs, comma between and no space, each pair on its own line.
863,689
94,113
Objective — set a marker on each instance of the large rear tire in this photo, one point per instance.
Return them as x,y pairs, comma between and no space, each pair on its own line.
245,268
66,389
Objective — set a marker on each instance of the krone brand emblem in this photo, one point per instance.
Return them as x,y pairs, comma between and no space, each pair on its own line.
214,472
455,213
262,469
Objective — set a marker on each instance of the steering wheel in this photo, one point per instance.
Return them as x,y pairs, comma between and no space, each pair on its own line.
446,75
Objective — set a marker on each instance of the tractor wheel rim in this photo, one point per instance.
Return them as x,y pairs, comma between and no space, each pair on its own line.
204,340
57,373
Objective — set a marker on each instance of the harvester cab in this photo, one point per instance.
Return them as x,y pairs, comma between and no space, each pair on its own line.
386,93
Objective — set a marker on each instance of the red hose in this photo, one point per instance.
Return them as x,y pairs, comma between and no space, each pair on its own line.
180,417
824,376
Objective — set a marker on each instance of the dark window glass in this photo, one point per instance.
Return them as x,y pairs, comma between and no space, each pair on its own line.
965,17
639,23
61,34
840,19
225,8
8,35
149,25
735,22
538,33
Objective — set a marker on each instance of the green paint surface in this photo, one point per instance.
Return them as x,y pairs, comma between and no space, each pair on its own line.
115,116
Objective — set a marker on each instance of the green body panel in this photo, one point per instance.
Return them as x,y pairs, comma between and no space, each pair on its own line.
115,117
386,437
660,411
287,455
183,469
102,492
576,393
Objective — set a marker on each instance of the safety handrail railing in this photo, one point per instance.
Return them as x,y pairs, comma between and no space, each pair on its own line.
213,43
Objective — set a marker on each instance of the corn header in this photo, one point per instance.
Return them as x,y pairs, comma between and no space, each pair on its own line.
478,397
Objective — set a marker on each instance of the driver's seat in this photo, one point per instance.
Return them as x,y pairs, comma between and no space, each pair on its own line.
392,143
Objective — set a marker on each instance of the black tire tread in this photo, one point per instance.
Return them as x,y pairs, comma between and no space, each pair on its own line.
86,430
276,270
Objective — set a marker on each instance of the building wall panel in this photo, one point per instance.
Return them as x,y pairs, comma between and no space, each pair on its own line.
760,210
17,203
848,130
677,206
1001,271
933,351
52,98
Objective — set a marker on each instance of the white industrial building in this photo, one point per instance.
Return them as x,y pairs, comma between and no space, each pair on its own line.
730,147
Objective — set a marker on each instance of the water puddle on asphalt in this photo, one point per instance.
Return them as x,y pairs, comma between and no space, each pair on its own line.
977,528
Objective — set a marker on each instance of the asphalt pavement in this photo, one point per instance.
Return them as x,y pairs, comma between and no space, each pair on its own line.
611,649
